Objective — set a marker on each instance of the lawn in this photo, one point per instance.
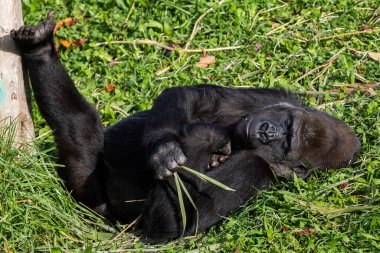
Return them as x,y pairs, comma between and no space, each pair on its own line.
326,51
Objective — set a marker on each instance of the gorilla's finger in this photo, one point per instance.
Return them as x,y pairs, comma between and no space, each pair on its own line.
222,158
181,159
172,165
214,160
50,18
13,33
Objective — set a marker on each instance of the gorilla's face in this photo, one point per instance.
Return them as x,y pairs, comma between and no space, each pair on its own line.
293,137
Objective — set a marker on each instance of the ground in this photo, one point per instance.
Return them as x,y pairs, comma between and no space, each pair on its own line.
327,51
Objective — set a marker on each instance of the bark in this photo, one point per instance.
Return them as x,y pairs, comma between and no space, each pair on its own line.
15,114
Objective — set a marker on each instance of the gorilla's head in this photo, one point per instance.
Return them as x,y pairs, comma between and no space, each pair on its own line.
292,137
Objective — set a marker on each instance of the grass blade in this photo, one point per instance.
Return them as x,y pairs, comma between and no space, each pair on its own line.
191,201
207,178
181,203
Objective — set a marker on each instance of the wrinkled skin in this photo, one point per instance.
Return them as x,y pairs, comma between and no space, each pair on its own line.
301,138
244,138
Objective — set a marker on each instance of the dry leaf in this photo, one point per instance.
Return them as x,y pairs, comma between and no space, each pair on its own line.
66,21
365,28
65,43
237,250
79,43
371,91
375,56
354,52
344,185
201,65
309,231
207,59
110,87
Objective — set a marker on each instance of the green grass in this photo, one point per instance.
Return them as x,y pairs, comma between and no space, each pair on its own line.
284,45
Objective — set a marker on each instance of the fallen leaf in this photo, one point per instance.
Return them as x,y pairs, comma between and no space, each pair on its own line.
285,229
309,231
207,59
201,65
79,43
65,43
237,250
375,56
344,185
371,91
67,21
110,87
354,52
365,27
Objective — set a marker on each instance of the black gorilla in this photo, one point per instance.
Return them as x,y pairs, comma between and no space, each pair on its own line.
125,170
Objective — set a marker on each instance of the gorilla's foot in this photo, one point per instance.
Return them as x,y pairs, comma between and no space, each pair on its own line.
29,38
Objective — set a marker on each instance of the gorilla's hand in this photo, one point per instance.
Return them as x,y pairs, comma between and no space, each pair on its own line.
220,156
30,38
203,141
166,157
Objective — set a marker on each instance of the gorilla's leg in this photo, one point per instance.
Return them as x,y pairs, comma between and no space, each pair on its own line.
128,179
243,171
77,128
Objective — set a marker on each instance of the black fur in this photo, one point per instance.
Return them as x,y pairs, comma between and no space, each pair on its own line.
237,136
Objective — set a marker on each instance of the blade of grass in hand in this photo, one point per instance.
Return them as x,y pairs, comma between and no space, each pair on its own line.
191,201
207,178
181,203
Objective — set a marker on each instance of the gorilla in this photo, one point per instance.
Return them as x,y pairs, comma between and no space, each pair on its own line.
244,138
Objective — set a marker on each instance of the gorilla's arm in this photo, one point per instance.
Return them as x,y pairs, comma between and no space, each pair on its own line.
178,106
77,127
244,172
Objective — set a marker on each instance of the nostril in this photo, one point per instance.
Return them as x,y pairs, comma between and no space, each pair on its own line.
264,126
262,137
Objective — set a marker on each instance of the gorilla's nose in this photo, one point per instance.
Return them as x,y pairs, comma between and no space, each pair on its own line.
268,132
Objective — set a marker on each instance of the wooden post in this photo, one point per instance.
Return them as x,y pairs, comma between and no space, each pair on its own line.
15,116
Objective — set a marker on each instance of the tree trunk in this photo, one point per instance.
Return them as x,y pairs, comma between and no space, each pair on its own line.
15,117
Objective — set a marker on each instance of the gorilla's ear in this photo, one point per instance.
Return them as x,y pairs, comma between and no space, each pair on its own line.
286,172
